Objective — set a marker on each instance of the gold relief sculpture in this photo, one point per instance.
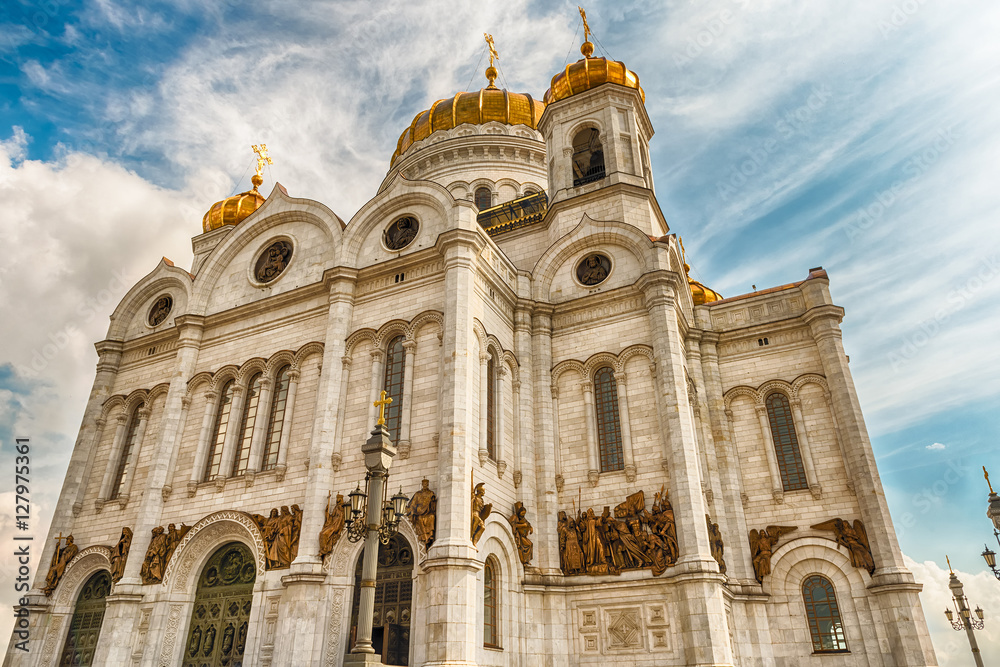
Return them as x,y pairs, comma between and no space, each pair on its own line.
854,538
480,512
119,555
333,525
716,544
762,545
422,512
281,535
60,559
521,527
631,538
161,547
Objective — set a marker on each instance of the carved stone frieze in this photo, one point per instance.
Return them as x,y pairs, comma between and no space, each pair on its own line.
280,531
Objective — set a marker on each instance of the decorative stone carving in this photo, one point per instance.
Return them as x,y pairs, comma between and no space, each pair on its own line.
333,632
594,269
519,524
281,535
422,513
161,547
61,557
160,310
624,629
762,545
631,539
480,512
716,544
119,555
272,262
854,538
333,525
210,531
400,233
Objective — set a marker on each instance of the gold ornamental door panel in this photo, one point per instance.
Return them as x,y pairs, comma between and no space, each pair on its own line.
221,613
85,628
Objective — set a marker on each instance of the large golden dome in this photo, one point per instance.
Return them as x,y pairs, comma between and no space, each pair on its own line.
590,73
233,210
487,105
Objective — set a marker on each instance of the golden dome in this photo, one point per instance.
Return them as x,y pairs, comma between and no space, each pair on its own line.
487,105
590,73
700,293
234,210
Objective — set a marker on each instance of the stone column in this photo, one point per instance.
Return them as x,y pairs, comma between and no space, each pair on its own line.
378,378
621,380
451,564
804,450
232,443
524,417
777,486
345,378
112,465
557,448
168,487
702,427
403,446
893,583
254,463
204,442
546,441
484,394
516,444
114,647
286,431
499,410
593,455
133,463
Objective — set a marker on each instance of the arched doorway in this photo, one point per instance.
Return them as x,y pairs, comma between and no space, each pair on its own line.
88,615
221,613
393,601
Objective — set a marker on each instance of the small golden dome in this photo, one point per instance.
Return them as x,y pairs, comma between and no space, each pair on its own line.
234,210
590,73
487,105
700,293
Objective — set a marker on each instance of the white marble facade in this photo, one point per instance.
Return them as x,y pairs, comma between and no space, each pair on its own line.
692,381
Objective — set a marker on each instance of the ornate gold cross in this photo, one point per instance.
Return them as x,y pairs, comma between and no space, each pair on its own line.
586,26
262,158
987,476
380,404
493,49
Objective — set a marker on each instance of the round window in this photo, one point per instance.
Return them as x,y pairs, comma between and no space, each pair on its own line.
160,310
272,262
401,233
593,270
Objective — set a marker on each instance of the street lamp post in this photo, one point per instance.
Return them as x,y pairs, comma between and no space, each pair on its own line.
379,525
993,512
965,621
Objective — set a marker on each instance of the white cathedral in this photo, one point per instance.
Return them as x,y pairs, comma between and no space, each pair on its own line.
607,462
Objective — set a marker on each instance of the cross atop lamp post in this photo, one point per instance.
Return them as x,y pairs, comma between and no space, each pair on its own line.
379,525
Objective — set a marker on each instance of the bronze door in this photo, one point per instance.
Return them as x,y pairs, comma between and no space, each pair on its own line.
85,627
393,602
221,614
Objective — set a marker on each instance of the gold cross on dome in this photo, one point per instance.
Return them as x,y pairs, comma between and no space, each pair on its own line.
987,476
381,405
586,26
262,158
493,48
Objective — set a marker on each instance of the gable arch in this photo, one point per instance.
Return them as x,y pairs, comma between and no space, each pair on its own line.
224,375
567,365
199,379
249,368
741,390
810,378
198,545
164,278
631,351
584,124
600,360
358,336
774,386
303,353
424,318
390,330
157,391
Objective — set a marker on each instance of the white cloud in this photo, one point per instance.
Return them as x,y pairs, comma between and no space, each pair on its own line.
935,446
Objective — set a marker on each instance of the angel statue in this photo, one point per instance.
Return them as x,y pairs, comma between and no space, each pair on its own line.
854,538
762,546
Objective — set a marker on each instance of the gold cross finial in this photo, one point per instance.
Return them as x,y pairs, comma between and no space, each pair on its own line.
262,159
587,49
380,404
987,476
949,564
493,48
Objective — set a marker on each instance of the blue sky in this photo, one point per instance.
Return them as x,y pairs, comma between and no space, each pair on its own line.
860,136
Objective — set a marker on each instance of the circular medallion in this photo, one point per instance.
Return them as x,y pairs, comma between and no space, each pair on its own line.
272,261
401,233
593,270
160,310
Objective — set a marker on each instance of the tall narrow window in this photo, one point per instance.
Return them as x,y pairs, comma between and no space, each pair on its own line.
588,157
394,361
491,626
277,421
484,198
786,445
609,428
128,447
250,405
491,422
214,458
824,615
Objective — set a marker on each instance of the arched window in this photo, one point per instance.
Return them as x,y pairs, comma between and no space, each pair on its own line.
609,430
588,157
214,458
395,358
491,420
250,404
484,198
491,590
786,445
277,420
824,615
121,475
88,615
